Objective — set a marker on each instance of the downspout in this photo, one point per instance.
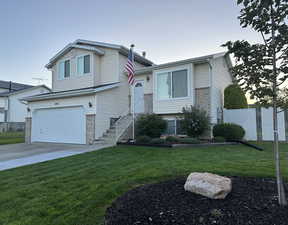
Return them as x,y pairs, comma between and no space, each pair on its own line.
210,94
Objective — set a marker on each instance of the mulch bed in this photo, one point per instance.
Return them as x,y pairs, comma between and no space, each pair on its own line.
252,201
175,145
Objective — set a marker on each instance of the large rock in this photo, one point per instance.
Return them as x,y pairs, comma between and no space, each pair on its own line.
209,185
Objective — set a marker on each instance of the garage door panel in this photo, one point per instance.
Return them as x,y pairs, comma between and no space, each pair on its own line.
61,125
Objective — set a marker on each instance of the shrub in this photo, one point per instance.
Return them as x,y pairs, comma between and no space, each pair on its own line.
189,141
150,125
195,121
143,139
219,139
229,131
172,139
157,141
234,97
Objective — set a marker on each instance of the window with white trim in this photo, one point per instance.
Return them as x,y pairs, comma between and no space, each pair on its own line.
83,64
172,84
64,69
174,127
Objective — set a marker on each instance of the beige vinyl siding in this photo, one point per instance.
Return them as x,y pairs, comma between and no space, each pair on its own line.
65,102
109,66
221,78
114,102
174,105
202,76
148,84
75,81
110,103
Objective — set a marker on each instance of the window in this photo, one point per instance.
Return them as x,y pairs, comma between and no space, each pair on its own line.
172,84
174,127
64,69
170,130
83,64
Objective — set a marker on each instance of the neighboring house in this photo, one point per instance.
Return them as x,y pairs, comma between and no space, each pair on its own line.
12,108
90,92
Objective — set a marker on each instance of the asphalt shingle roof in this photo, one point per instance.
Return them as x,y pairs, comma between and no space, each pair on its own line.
14,86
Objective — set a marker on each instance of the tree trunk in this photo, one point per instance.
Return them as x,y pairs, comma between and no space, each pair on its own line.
280,187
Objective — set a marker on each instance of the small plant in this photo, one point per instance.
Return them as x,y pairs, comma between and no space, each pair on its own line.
229,131
143,139
219,139
172,139
150,125
189,141
195,121
157,141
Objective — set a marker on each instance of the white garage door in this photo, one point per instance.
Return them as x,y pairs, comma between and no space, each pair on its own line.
60,125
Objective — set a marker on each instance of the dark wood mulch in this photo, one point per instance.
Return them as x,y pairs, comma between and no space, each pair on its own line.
252,201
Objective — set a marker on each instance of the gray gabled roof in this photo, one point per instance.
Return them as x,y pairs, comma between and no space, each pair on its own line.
71,93
8,93
68,47
14,86
92,46
200,59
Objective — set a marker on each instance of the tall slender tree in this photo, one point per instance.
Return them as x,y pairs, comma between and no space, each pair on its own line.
262,69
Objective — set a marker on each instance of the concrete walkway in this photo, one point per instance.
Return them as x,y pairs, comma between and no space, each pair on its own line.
16,155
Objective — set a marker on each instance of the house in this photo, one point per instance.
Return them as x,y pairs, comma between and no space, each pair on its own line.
12,108
91,98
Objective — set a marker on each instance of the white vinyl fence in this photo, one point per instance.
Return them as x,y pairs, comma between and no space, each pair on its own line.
257,122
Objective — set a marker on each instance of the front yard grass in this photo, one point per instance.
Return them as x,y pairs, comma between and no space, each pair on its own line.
78,189
11,138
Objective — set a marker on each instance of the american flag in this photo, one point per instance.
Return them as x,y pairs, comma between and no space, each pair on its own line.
130,67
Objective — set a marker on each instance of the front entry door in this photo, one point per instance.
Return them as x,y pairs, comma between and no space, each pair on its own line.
139,97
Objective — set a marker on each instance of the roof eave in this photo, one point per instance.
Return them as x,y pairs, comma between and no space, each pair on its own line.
122,49
67,48
69,94
196,60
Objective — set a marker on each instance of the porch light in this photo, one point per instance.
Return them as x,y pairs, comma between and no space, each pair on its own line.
90,105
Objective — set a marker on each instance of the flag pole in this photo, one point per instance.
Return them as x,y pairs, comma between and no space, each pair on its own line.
133,103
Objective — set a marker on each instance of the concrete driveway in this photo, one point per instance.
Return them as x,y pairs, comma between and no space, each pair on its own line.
16,155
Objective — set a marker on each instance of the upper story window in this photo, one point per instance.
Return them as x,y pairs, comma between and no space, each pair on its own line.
83,64
172,84
64,69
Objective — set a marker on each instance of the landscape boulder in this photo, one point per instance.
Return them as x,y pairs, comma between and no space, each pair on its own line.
209,185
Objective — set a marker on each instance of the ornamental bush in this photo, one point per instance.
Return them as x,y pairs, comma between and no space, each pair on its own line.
234,97
189,140
157,141
143,140
195,121
229,131
219,139
172,139
150,125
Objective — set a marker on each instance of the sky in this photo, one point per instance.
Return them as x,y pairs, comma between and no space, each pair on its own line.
33,31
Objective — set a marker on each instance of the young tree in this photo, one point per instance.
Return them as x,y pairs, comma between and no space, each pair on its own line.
261,69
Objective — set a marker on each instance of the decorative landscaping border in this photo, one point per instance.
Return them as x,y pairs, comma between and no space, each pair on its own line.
180,145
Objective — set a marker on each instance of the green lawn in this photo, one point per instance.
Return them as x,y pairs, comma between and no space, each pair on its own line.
76,190
11,138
